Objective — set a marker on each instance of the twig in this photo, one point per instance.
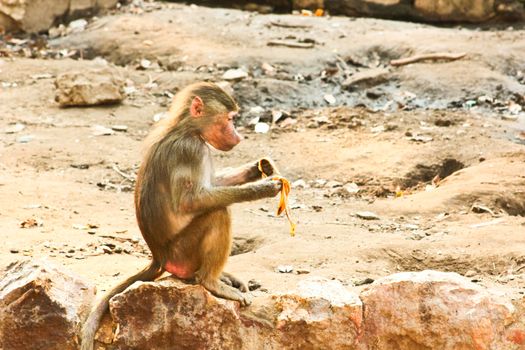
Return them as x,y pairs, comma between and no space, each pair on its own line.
429,56
130,178
291,44
289,25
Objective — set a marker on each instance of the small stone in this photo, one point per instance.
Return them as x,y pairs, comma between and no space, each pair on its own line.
299,184
411,226
14,251
330,99
81,166
510,117
470,273
377,129
121,128
367,215
268,68
478,209
421,138
100,130
285,268
262,128
318,183
362,282
145,63
78,25
302,271
235,74
253,285
321,120
351,187
13,129
159,116
257,110
25,139
128,90
333,184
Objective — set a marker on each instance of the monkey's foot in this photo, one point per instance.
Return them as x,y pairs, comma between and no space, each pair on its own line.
222,290
233,281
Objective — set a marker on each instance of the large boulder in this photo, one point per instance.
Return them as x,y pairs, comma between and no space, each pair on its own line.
33,16
88,88
434,310
41,307
171,314
429,10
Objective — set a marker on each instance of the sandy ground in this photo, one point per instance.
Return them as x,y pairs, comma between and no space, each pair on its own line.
55,177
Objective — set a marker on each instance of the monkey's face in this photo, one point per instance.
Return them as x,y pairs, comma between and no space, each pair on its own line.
221,132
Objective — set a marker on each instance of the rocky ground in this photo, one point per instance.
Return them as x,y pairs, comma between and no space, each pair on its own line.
433,151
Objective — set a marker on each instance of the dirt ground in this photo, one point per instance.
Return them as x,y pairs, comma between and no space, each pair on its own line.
442,168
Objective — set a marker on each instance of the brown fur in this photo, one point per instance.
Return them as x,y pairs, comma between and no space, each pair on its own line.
181,207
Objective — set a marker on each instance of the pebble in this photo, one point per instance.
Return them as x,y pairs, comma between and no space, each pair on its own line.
121,128
299,184
13,129
470,273
25,139
14,251
330,99
362,282
235,74
262,128
285,268
367,215
253,285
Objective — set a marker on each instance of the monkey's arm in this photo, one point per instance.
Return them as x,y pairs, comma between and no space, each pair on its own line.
206,199
247,173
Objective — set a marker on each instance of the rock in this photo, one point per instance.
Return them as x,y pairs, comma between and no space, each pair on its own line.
235,74
433,310
320,314
41,307
299,184
463,10
262,128
100,130
307,4
15,128
367,215
429,10
254,285
38,16
33,16
87,88
330,99
285,268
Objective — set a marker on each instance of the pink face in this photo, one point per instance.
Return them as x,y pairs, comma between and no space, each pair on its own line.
222,134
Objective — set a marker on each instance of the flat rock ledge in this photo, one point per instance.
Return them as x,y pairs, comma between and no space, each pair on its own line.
412,310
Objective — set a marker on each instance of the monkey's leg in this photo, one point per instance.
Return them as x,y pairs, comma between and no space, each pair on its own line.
215,249
233,281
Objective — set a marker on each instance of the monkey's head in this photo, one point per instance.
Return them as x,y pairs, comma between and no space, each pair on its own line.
213,111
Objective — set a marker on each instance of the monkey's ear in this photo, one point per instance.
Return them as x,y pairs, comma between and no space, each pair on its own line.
197,107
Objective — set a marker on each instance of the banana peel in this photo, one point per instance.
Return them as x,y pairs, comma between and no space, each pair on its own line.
283,201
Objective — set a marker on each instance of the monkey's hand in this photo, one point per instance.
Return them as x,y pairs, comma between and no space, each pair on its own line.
269,187
267,167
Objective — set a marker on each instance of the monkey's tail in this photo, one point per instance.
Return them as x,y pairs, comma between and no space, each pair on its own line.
152,271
